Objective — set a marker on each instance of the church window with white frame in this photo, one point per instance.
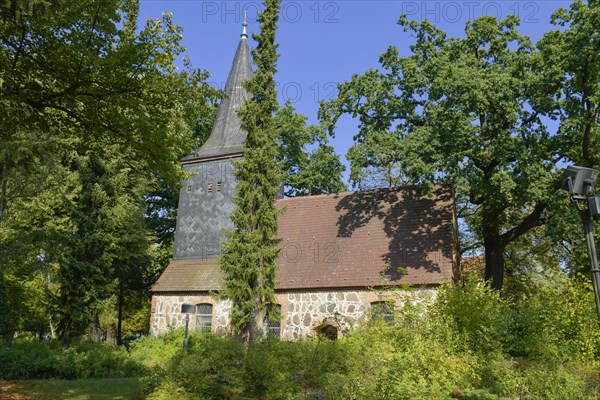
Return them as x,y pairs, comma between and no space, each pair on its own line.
204,316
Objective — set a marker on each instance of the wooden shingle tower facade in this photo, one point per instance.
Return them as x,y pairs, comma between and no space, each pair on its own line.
205,201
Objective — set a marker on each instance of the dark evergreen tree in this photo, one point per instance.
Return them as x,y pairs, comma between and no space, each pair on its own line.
95,116
250,250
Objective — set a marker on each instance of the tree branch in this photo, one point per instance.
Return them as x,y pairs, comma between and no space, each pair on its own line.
529,222
471,247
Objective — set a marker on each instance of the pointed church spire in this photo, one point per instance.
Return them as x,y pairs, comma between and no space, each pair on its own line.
226,137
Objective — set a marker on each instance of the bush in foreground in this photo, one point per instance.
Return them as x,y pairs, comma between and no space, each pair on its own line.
470,343
38,360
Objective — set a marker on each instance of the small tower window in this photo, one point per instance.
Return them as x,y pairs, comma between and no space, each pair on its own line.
188,188
219,186
209,187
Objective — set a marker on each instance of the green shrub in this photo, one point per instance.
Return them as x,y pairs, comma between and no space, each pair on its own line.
210,369
276,370
476,313
552,382
417,358
169,390
38,360
157,352
539,342
554,319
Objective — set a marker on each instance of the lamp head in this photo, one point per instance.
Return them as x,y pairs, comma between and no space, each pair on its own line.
188,308
579,181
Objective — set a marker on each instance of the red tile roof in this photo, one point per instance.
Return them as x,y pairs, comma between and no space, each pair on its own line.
353,239
189,275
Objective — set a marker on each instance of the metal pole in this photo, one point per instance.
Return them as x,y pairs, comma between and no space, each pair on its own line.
586,217
185,337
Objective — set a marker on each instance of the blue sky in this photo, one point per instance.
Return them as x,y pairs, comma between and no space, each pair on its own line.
325,42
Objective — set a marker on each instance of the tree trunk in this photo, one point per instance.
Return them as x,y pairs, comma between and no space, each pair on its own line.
52,329
120,316
95,331
256,325
3,190
494,259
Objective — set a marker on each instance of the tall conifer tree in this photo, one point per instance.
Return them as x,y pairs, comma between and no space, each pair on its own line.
250,250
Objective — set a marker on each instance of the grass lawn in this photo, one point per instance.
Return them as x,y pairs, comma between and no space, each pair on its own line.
77,389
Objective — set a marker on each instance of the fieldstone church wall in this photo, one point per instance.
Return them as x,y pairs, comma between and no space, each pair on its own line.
166,312
301,311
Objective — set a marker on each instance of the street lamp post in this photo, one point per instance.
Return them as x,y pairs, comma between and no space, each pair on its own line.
580,182
187,309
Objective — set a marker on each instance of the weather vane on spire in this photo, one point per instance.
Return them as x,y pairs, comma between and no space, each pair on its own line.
245,24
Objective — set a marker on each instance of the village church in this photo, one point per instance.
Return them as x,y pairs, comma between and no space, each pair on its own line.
342,255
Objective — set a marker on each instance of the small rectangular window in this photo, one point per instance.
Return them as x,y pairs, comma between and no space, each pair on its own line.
203,316
188,188
209,187
382,311
219,186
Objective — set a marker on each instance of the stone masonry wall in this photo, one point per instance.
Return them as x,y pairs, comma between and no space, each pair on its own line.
301,311
166,312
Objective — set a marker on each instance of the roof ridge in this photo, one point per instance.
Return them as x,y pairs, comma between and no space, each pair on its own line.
348,192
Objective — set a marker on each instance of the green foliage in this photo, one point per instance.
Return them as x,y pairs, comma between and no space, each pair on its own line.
210,369
95,115
308,172
433,350
250,250
414,358
104,241
553,317
426,354
156,353
74,389
542,315
34,360
572,65
574,61
472,111
478,314
276,370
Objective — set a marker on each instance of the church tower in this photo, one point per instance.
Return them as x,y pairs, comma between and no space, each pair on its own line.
205,201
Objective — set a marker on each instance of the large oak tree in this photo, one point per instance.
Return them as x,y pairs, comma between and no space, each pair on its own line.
472,111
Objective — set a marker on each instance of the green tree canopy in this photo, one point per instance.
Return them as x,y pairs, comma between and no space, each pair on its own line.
468,111
310,163
94,115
